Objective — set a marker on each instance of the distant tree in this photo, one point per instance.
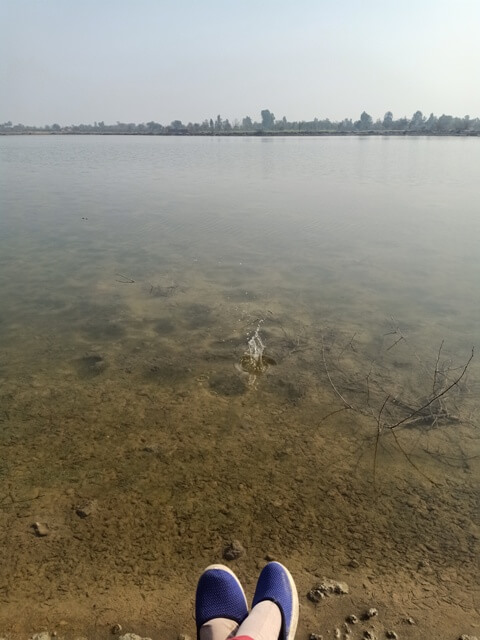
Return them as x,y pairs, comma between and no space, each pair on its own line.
366,122
268,120
177,125
218,124
445,123
211,125
417,122
247,124
346,125
388,120
227,126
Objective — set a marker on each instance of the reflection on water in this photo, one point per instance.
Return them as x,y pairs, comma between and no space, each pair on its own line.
136,274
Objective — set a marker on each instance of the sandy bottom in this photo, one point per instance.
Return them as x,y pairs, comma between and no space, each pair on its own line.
129,430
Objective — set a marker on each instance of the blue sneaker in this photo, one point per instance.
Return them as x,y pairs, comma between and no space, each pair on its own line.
219,595
275,583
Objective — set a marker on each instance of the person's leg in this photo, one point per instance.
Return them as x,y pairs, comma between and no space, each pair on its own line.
220,603
274,614
263,622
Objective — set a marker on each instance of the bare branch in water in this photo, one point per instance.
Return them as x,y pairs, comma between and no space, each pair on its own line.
395,343
436,372
347,404
332,413
125,279
436,397
379,430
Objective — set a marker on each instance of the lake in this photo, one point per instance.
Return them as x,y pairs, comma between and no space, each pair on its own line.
256,339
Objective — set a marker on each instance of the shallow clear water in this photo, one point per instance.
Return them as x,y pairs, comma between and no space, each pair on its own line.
134,271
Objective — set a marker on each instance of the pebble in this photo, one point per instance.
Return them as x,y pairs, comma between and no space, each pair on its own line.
116,629
326,588
43,635
464,636
354,564
312,636
352,619
234,550
41,530
86,510
369,635
336,633
132,636
409,620
392,635
183,636
371,613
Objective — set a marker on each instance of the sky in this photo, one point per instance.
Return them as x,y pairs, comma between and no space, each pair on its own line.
81,61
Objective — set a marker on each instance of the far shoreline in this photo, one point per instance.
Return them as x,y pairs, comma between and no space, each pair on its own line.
252,134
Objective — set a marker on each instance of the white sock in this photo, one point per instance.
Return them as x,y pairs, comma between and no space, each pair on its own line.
218,629
263,622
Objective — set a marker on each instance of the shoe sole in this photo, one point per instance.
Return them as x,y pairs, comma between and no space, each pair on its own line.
295,605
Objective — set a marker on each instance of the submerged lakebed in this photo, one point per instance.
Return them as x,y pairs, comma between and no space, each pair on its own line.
135,273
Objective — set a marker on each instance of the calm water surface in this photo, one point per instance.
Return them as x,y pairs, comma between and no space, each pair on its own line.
133,272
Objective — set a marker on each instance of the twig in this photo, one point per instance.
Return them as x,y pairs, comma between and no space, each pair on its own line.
332,413
379,430
126,279
436,397
349,344
436,366
410,461
347,404
395,343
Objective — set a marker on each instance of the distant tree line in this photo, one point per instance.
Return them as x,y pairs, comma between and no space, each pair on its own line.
268,124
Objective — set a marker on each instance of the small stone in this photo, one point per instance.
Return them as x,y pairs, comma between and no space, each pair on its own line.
352,619
234,550
409,620
369,635
132,636
315,636
326,588
41,529
354,564
43,635
392,635
464,636
371,613
336,633
116,629
269,557
86,509
183,636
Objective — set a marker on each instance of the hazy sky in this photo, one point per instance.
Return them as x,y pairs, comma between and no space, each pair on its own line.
74,61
